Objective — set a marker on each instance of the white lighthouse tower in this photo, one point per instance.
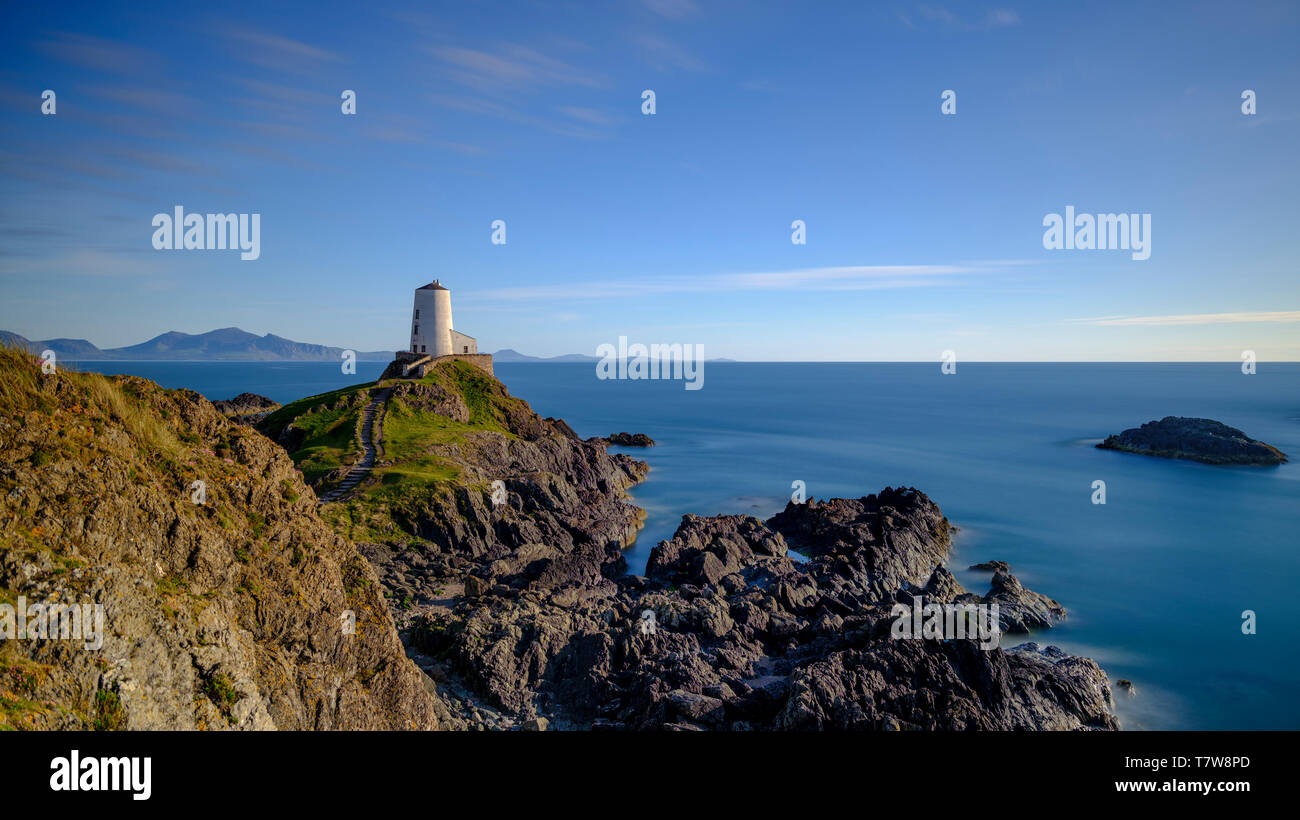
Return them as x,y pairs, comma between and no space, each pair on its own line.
433,337
431,320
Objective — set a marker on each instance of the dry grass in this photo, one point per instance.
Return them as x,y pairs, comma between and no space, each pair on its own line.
138,417
23,387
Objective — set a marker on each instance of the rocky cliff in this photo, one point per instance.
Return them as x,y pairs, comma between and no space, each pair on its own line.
226,601
517,600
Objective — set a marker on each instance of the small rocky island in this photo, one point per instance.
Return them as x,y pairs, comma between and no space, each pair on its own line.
1203,440
626,440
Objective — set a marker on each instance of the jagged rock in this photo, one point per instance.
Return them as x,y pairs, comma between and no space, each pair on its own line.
434,398
626,440
245,404
1202,440
705,550
1020,609
745,637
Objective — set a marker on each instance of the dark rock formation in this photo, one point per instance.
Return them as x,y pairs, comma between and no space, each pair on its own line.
1202,440
1020,609
741,637
626,440
246,405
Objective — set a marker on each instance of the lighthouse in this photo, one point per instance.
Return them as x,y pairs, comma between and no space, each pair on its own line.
431,328
433,338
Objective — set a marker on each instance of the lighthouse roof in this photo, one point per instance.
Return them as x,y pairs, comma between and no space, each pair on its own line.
434,285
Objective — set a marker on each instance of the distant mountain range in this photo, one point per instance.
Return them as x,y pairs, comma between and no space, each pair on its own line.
230,344
225,344
510,355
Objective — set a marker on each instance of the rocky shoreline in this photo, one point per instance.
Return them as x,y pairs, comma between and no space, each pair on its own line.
526,611
483,564
745,638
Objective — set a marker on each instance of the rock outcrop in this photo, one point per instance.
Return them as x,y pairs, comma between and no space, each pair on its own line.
226,601
1204,440
626,440
726,632
245,404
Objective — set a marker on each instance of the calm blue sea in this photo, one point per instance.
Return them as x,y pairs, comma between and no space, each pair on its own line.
1155,581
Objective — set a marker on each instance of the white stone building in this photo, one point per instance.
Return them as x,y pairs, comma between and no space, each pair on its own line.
433,339
431,329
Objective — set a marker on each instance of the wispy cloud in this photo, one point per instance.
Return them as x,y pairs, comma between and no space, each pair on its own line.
280,53
511,66
992,18
510,113
1192,319
590,115
672,9
100,54
153,99
843,278
664,54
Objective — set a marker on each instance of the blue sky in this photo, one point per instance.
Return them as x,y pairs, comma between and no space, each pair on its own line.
924,231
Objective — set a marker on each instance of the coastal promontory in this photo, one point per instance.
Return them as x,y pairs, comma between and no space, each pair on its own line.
1204,440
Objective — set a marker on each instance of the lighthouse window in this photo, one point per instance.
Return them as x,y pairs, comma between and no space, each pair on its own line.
417,330
422,349
417,313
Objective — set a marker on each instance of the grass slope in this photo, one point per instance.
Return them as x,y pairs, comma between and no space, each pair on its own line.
414,467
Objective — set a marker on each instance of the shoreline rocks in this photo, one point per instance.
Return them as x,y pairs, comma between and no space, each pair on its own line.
1203,440
246,408
741,637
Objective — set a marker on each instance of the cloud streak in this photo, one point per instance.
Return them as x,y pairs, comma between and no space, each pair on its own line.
1288,316
510,67
840,278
